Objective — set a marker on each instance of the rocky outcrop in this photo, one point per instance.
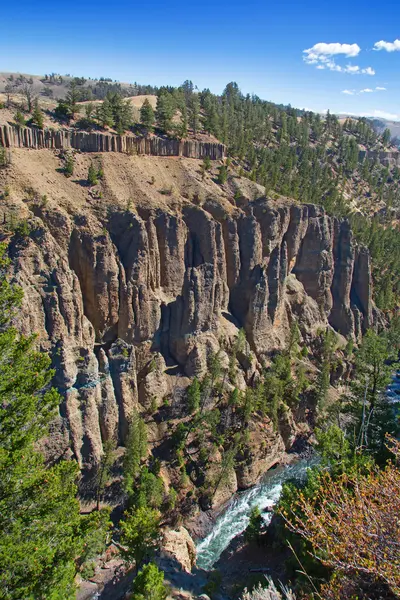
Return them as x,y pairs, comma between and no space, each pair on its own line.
115,299
179,546
29,137
386,158
265,449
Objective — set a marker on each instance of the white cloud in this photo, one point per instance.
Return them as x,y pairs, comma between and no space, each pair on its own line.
388,46
321,55
364,91
323,49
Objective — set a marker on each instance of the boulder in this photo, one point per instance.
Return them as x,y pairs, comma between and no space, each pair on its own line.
178,545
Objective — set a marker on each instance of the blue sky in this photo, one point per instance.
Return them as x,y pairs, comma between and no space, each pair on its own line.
259,44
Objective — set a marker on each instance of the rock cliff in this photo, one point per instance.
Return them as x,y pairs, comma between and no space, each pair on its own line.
134,289
386,158
29,137
118,300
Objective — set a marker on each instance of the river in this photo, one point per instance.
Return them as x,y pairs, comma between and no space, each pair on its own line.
235,517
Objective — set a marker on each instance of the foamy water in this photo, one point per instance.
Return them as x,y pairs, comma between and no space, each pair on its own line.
235,518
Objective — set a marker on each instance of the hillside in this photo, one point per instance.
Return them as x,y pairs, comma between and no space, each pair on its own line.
206,313
342,164
55,85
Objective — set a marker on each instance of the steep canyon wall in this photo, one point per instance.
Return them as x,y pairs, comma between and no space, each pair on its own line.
117,300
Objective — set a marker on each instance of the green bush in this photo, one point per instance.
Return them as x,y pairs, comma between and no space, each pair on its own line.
19,118
92,175
69,166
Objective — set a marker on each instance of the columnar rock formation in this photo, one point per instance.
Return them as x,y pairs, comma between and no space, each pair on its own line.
30,137
13,136
109,298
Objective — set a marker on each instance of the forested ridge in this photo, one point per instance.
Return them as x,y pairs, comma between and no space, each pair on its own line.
309,157
341,523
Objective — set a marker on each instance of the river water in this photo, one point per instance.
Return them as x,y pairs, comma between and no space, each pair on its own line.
235,517
393,390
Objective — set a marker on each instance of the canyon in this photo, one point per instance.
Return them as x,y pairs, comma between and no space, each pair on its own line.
132,292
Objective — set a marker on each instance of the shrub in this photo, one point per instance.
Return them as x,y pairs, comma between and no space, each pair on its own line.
253,529
69,166
4,159
92,175
166,191
19,118
222,175
350,523
268,593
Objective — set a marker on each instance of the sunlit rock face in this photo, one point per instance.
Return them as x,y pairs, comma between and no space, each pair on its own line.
117,300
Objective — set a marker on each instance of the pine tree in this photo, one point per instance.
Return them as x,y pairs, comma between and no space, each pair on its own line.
26,88
136,449
37,116
147,117
104,114
211,118
69,166
222,175
140,534
121,112
63,111
370,406
194,113
206,163
149,490
386,137
165,111
104,470
226,468
194,396
19,118
181,128
72,98
3,157
90,110
234,398
149,584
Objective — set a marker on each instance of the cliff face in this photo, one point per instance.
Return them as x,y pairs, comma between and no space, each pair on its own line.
29,137
386,158
122,299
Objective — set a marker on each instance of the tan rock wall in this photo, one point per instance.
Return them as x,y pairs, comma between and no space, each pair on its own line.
28,137
169,286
